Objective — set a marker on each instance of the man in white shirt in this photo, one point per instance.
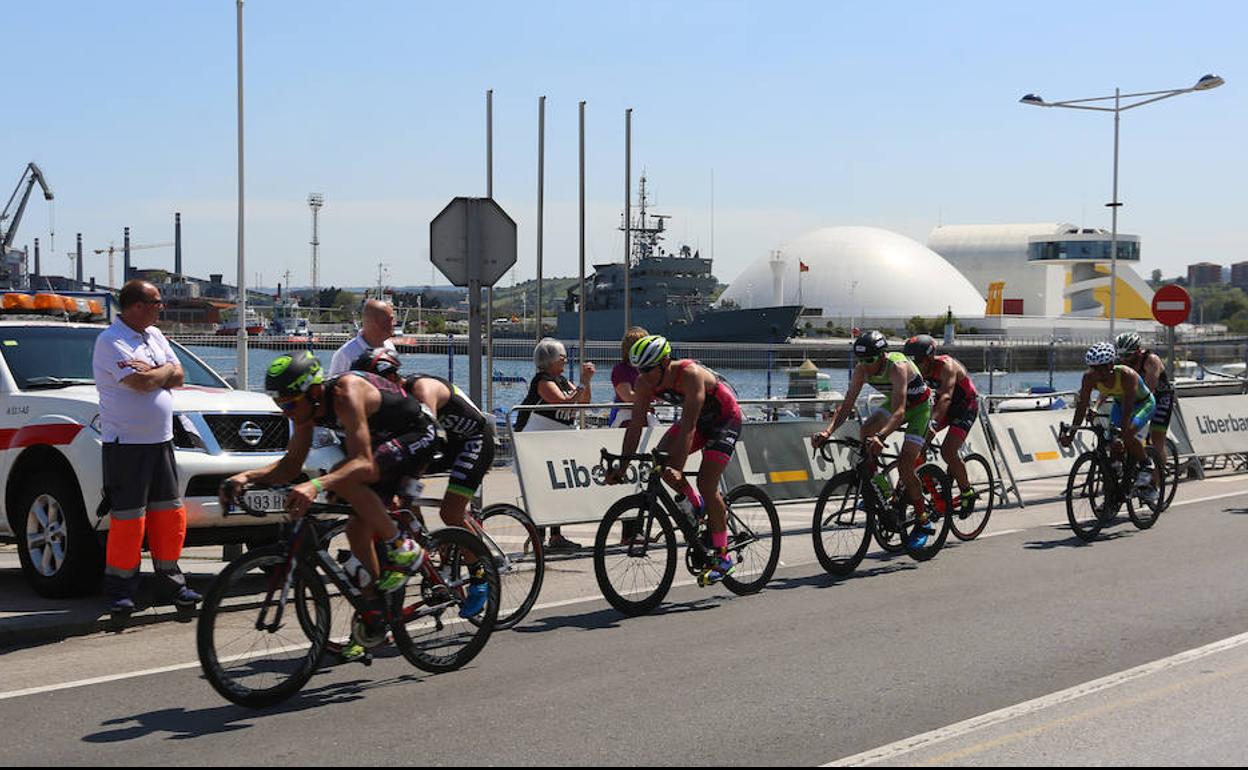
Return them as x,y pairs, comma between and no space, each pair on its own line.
135,369
377,330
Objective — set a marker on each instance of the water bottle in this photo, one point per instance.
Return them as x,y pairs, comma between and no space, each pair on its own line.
884,484
686,505
357,573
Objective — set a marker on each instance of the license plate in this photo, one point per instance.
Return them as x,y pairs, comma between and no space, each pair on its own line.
266,500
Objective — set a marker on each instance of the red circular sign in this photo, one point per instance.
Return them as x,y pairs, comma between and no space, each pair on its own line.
1171,304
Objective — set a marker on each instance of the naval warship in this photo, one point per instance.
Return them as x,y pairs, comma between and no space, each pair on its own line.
671,295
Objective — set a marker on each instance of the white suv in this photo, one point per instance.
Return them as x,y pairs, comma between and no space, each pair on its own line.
50,467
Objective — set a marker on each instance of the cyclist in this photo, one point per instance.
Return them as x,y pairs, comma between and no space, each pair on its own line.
1133,407
710,420
957,406
1149,365
387,436
469,451
909,407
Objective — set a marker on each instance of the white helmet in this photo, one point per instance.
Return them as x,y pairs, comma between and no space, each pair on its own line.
1100,354
1127,343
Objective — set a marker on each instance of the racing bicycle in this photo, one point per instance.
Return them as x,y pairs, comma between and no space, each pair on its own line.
1102,481
635,548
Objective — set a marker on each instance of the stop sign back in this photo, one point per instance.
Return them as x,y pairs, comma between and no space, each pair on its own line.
1171,304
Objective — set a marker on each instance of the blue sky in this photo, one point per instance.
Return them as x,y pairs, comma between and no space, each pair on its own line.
898,115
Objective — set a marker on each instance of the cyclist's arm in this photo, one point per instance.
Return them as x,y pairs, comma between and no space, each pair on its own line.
944,399
1081,403
1130,382
359,467
695,397
851,397
1153,367
430,393
283,470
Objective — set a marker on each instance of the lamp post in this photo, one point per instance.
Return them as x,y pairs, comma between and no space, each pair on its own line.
1097,105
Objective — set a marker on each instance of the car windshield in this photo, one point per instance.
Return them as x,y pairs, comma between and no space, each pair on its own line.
43,357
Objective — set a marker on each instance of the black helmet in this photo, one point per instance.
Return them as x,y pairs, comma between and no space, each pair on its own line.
379,361
920,346
292,374
870,344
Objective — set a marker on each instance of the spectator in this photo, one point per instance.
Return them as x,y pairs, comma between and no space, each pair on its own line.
624,377
135,369
378,328
550,386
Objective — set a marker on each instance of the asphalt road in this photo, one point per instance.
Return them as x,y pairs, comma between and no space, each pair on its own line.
1026,647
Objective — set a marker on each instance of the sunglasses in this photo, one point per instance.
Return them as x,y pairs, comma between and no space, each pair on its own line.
648,369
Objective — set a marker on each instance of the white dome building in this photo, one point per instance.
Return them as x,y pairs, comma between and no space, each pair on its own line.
858,272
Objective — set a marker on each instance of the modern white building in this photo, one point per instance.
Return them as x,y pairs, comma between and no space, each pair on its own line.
857,273
1049,270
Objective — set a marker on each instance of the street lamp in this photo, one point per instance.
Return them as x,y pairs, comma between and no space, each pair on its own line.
1147,97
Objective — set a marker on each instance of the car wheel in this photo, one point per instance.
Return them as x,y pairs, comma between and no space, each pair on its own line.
60,552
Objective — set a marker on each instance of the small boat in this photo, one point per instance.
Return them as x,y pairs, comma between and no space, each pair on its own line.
1031,399
229,327
509,379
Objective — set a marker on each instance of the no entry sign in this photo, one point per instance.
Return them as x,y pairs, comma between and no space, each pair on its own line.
1171,304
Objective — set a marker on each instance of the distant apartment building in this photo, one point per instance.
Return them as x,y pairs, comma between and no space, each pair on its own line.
1239,275
1204,274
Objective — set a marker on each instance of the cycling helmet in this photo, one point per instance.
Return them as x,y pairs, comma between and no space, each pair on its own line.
292,374
649,351
871,344
1127,343
920,346
380,361
1101,354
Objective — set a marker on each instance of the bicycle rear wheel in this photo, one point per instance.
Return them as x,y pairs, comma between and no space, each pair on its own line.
258,664
634,564
843,523
753,539
426,623
517,548
968,525
1086,496
1173,470
938,504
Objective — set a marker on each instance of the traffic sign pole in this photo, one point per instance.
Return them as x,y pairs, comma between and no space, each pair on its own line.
472,226
1171,306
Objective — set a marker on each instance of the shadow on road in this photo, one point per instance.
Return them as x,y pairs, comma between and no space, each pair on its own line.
611,618
887,564
183,724
1073,541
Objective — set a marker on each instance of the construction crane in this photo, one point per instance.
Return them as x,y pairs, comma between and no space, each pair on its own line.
11,216
113,249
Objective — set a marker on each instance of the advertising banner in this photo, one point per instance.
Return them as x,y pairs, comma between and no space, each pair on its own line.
1215,425
1029,445
779,457
561,475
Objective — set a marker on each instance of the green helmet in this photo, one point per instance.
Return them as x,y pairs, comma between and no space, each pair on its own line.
649,351
292,374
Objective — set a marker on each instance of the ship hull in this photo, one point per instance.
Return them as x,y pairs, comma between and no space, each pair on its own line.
767,325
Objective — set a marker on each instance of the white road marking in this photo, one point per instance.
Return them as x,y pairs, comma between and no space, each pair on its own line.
893,751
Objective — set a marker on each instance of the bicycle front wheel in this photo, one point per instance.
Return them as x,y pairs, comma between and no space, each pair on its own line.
844,520
634,556
426,621
256,649
753,539
1173,471
1086,496
968,524
512,538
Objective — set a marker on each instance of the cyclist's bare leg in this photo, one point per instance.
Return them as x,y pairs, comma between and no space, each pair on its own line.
371,521
454,513
949,450
1158,440
872,426
708,485
910,451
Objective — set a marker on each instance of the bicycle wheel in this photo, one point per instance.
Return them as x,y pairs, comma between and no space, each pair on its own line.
967,525
253,649
938,504
1174,469
754,539
512,538
1142,511
634,565
843,523
426,622
1086,496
